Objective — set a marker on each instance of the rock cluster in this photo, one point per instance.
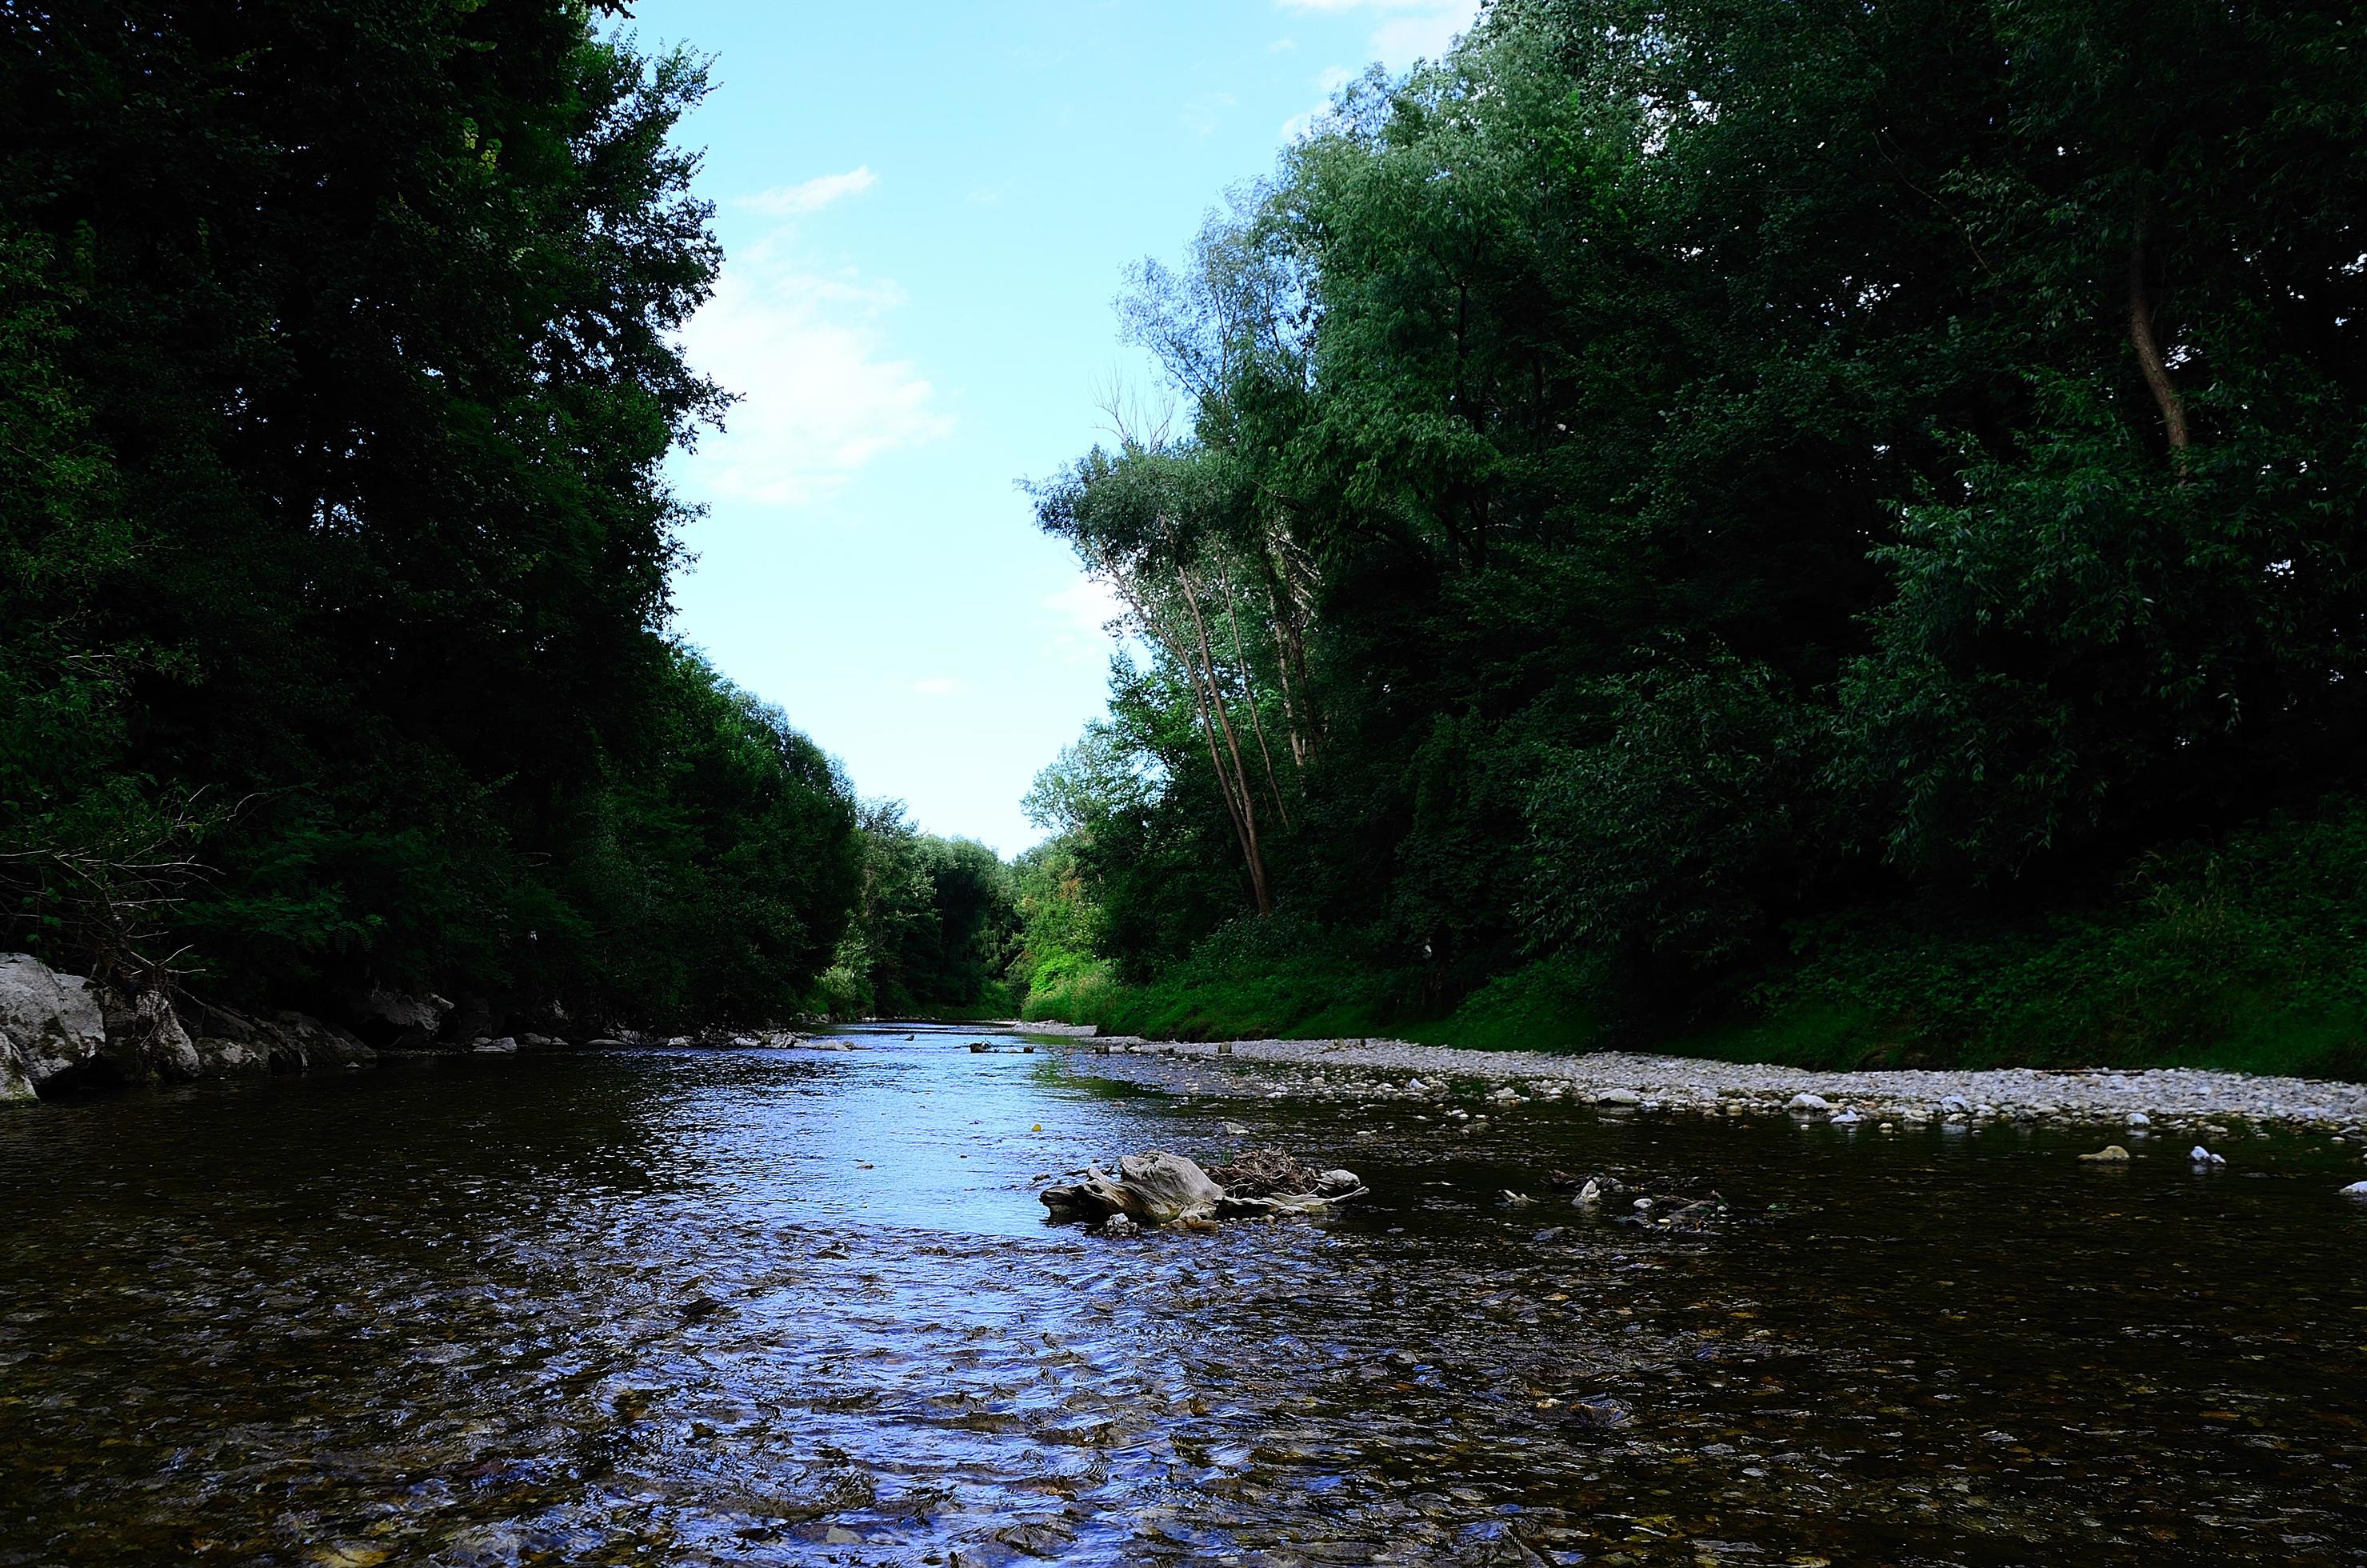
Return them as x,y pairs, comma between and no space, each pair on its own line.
715,1039
1159,1188
277,1042
58,1031
1615,1200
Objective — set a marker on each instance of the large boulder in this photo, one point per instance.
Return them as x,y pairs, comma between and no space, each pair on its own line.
232,1042
392,1020
229,1043
145,1041
300,1041
59,1030
226,1041
51,1029
220,1058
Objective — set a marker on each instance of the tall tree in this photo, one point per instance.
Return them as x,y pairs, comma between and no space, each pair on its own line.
356,325
1712,464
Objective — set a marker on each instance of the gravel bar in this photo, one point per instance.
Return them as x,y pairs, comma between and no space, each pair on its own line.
1370,1069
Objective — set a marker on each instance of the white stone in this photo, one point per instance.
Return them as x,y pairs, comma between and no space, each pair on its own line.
50,1024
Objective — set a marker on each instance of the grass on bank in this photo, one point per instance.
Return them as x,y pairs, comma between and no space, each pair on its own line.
2248,955
996,1001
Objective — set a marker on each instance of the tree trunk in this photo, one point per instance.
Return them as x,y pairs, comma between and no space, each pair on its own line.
2141,334
1236,802
1282,657
1249,684
1232,745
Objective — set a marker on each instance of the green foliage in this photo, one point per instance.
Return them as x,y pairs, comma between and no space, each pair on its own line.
932,929
338,368
1279,979
2243,954
1273,976
1720,476
1059,926
2247,952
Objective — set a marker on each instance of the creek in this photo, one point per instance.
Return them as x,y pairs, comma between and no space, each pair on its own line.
800,1306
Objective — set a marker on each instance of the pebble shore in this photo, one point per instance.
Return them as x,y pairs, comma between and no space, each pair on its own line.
1370,1069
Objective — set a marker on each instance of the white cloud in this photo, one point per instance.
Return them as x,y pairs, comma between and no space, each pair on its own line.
1087,604
810,195
1401,42
819,399
1081,617
1406,30
1204,115
937,686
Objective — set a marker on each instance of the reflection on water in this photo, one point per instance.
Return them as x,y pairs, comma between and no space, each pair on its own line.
794,1307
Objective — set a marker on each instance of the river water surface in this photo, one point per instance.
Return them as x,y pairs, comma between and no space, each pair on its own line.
790,1306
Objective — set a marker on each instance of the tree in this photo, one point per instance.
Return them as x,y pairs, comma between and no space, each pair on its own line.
341,364
1718,466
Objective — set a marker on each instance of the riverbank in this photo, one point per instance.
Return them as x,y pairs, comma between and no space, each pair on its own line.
1371,1070
2248,955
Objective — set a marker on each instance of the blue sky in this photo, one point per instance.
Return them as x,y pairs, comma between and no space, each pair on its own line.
926,210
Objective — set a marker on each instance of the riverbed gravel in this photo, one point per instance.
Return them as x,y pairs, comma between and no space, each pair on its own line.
1630,1083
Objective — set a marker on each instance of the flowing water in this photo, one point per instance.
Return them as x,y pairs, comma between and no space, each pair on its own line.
798,1307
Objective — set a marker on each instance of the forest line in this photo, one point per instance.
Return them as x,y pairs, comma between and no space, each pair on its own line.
338,360
1817,530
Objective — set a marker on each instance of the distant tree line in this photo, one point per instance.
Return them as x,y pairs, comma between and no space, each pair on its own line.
337,366
933,928
1674,485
